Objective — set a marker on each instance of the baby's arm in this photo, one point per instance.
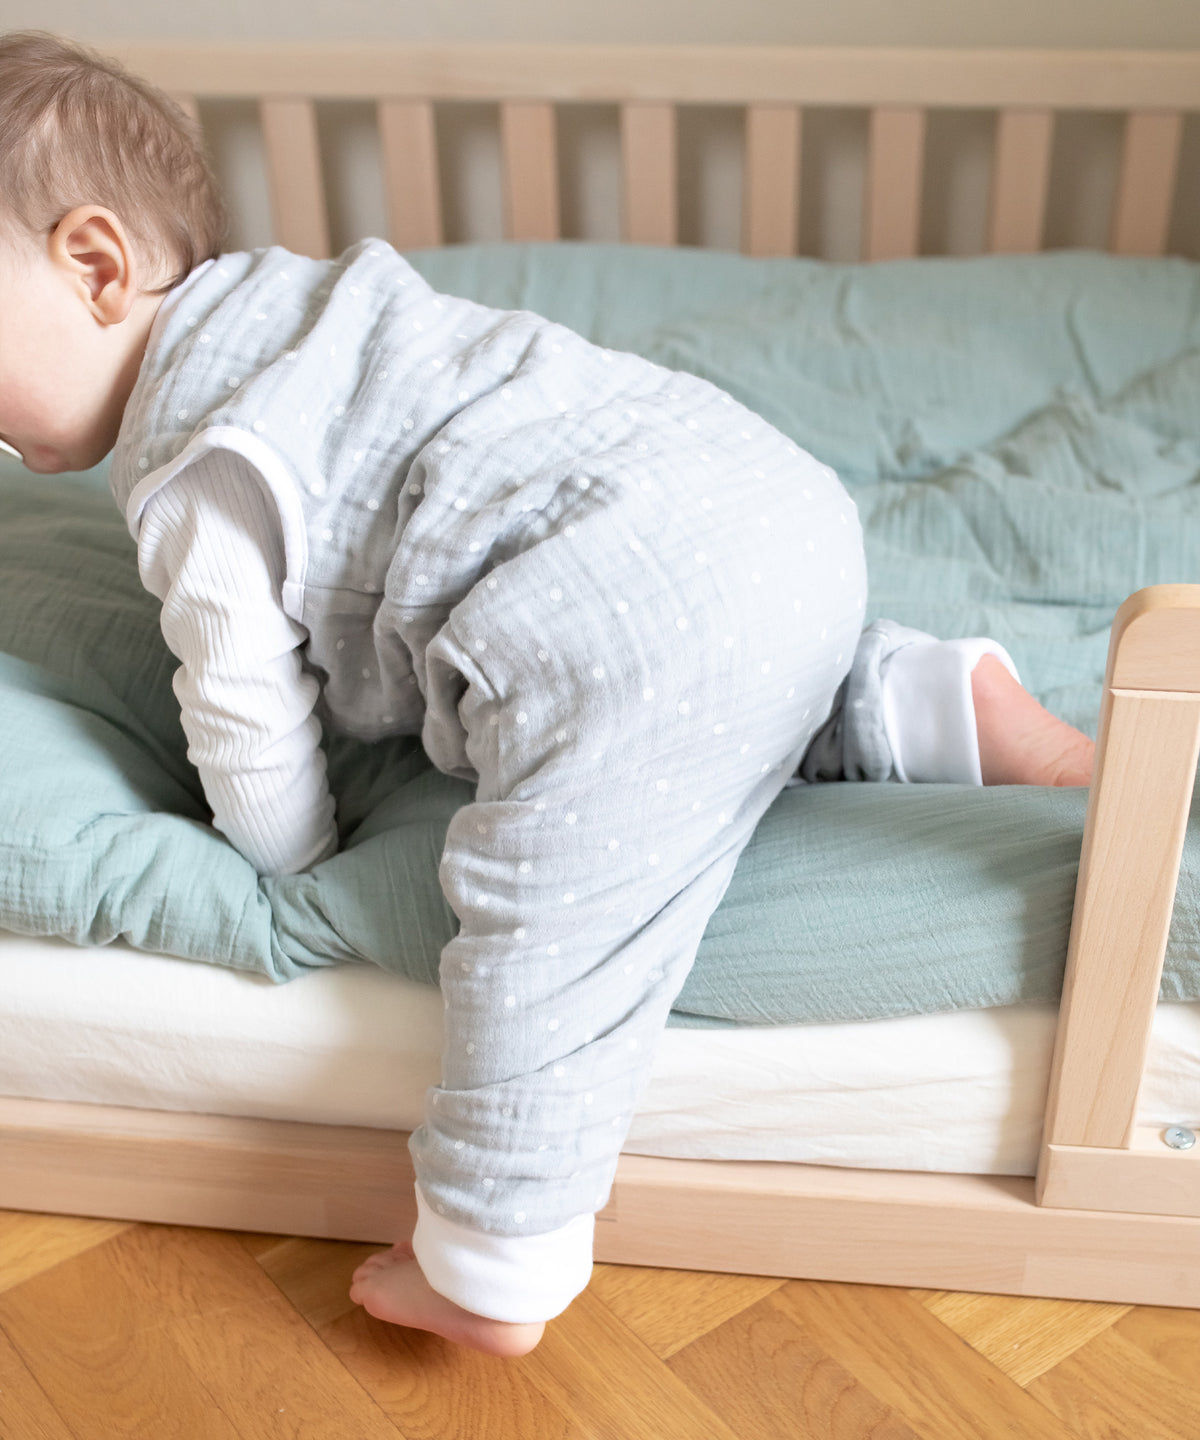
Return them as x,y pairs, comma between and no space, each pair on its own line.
210,548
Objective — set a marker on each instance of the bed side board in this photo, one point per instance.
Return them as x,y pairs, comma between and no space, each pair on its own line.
1094,1156
936,1231
772,85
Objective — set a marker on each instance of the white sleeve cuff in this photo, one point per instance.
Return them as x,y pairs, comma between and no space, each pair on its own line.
519,1278
929,712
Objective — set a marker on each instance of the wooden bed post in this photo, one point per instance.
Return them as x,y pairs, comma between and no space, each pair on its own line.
1094,1157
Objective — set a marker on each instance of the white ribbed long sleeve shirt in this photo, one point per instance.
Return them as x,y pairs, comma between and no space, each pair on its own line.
210,548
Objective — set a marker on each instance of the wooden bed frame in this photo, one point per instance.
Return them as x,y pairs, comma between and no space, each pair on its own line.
1115,1212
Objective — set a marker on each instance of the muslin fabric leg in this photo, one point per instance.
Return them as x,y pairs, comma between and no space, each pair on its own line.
582,892
625,752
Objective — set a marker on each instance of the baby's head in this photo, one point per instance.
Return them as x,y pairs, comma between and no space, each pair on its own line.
106,202
76,129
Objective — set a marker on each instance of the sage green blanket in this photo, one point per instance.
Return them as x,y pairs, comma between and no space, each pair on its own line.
1023,440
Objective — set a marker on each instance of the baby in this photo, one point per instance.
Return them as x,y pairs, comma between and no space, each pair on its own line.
623,605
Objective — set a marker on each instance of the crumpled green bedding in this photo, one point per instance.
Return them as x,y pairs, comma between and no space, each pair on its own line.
1022,436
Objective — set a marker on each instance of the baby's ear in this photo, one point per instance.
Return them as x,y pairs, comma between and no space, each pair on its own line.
92,246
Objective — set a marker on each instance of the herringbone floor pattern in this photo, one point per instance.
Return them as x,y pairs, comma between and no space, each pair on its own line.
118,1332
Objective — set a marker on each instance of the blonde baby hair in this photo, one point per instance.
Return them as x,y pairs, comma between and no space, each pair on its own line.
78,129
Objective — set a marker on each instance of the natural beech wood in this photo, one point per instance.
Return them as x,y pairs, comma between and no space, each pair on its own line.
946,1232
1133,837
649,171
892,220
1153,644
1020,180
1132,842
294,175
1025,86
408,141
772,185
1146,1178
187,1169
892,1228
713,74
530,171
1142,215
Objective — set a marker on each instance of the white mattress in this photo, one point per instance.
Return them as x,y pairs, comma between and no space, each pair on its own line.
355,1046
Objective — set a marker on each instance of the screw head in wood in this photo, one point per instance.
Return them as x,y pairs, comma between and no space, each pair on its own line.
1179,1138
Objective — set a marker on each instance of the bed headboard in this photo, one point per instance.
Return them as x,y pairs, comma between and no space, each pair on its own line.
772,86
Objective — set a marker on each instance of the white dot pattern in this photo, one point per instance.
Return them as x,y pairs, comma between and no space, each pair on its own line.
740,739
620,650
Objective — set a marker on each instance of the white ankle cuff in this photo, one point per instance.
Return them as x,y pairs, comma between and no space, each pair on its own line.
929,712
519,1278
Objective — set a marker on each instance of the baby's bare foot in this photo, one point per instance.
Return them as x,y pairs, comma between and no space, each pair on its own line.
1020,743
391,1286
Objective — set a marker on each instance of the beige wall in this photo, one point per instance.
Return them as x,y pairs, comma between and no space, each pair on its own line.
1102,23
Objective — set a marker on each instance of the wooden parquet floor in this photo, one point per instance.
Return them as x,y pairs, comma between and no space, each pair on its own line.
118,1332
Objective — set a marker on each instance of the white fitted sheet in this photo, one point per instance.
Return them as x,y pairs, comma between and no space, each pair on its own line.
355,1046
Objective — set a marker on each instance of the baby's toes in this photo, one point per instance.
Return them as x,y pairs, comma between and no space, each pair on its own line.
365,1271
400,1254
373,1265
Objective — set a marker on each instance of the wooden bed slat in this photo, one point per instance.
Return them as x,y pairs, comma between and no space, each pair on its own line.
294,175
530,171
1020,181
650,174
892,220
1142,215
412,188
772,186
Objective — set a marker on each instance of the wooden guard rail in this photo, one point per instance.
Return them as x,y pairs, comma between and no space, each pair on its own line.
772,85
1094,1155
